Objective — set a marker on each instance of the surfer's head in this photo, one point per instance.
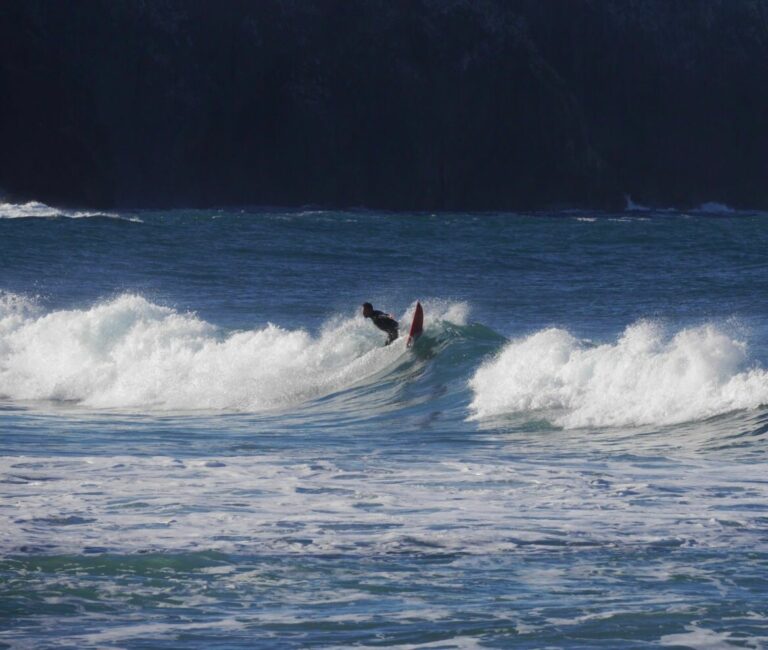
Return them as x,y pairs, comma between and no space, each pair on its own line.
367,309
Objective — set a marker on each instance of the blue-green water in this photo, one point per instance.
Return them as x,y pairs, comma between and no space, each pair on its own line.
203,443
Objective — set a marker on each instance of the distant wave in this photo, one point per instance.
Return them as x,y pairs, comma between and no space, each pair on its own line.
645,377
710,207
34,209
131,353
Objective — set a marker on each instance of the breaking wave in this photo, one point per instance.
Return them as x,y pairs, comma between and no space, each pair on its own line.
131,353
645,377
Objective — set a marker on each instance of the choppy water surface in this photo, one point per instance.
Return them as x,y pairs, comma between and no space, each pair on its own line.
204,444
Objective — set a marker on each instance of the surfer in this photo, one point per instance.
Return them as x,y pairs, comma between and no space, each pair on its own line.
381,320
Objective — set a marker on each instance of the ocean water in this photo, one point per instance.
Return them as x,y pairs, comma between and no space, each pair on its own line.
203,444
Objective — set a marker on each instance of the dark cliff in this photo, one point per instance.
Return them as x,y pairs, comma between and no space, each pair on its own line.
417,104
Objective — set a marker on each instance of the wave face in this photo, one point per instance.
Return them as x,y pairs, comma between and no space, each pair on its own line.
645,377
131,353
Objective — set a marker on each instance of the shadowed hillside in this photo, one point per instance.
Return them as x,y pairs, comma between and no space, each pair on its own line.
387,104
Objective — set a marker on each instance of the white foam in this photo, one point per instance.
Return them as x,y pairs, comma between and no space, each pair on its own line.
131,353
704,639
645,377
35,209
310,499
155,630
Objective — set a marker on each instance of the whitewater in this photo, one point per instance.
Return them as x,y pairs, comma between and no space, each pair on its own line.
203,440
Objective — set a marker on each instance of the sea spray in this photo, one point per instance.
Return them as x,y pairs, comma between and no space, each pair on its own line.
644,377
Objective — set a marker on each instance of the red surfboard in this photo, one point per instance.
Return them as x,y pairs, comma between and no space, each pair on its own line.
417,325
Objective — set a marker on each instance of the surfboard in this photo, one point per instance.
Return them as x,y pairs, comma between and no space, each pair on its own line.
417,325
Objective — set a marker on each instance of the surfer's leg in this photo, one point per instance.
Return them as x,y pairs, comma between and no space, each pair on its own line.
392,335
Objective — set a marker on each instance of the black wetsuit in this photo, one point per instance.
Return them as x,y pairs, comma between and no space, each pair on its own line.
385,323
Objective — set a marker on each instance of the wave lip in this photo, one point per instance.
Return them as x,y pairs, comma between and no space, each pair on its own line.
645,377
